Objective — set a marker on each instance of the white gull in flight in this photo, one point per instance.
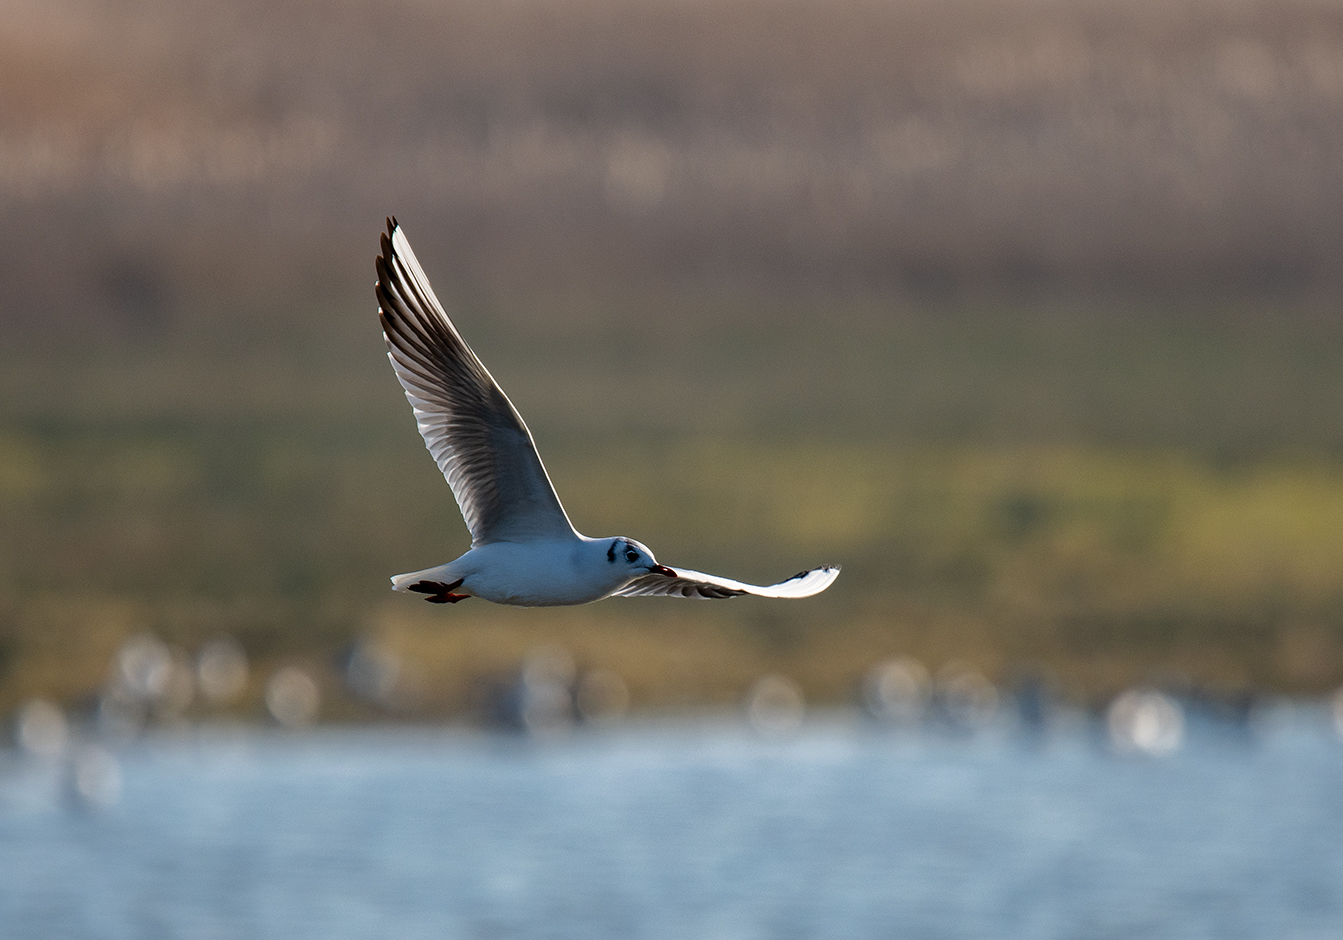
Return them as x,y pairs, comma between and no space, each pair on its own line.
524,551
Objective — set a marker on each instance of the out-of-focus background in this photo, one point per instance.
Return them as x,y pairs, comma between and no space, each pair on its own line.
1024,311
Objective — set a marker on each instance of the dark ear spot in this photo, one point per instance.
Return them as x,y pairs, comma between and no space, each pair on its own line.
611,552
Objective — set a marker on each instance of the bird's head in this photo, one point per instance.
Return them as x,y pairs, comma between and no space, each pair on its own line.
635,557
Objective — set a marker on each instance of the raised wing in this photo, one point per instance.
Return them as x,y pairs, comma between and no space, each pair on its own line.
476,435
697,584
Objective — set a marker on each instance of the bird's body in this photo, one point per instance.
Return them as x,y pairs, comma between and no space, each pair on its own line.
550,573
524,550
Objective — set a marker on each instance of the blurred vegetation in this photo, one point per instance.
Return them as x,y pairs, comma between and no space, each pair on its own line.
992,500
1023,312
159,151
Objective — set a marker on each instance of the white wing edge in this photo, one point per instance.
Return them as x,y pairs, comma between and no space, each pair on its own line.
689,583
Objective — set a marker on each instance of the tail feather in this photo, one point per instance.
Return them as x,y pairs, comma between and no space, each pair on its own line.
402,582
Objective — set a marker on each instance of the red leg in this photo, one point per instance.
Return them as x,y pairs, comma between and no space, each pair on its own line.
446,598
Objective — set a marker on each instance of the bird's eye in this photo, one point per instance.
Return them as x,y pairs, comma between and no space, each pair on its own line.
631,555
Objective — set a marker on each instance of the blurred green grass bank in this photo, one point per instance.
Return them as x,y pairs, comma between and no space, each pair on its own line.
1102,531
1027,314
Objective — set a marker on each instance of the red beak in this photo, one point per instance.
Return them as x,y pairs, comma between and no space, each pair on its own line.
663,569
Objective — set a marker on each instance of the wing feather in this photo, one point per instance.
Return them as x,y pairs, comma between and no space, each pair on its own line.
698,584
474,433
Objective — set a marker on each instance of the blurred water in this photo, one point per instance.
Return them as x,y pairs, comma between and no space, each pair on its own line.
683,831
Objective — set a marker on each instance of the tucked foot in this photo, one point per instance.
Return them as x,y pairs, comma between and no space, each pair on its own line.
446,598
439,593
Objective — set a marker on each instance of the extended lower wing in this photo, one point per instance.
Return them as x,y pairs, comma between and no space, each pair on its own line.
697,584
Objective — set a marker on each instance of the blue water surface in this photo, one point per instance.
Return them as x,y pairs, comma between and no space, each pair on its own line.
691,830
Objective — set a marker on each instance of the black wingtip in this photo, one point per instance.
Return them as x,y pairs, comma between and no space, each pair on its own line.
385,239
803,574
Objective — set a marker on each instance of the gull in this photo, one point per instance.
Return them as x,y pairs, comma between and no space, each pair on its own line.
524,550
